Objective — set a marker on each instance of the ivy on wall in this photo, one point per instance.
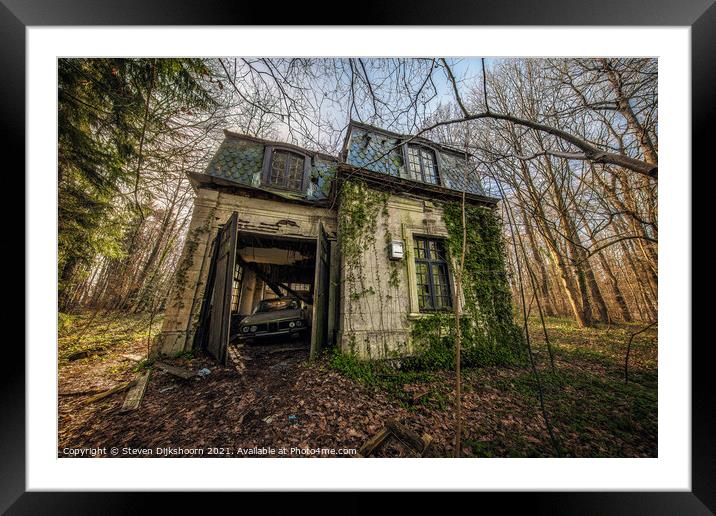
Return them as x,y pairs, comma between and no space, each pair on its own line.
357,224
190,247
358,220
358,217
489,333
490,336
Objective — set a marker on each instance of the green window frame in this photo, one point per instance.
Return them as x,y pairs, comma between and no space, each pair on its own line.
432,278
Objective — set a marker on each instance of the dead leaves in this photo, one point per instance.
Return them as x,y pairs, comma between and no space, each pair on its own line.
273,397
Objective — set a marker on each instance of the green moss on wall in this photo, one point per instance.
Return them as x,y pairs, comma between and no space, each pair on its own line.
489,333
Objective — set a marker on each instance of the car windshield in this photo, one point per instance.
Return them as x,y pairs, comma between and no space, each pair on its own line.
273,305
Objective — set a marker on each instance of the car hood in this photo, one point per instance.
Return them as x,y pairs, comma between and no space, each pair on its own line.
279,315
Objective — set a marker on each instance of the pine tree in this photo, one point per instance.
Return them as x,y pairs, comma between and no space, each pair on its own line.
110,111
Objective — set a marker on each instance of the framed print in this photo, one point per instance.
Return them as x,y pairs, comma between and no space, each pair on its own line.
427,255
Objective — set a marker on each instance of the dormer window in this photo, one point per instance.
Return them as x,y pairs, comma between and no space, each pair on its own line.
422,164
284,169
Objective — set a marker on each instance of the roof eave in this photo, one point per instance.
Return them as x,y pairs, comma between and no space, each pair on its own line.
239,136
421,188
200,180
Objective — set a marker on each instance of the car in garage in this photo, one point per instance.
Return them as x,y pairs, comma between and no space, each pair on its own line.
287,316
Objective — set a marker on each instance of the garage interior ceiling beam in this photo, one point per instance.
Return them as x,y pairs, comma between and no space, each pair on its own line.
273,285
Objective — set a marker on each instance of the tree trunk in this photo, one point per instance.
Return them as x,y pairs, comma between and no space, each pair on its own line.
547,305
622,306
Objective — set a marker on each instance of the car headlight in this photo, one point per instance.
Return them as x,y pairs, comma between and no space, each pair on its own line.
245,329
253,328
291,324
298,323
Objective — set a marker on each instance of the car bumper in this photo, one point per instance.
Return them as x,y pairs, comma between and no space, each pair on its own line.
260,334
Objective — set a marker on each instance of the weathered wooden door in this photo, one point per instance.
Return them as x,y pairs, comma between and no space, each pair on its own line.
202,328
319,330
220,321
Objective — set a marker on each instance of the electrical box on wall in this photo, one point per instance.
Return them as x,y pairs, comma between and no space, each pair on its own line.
396,250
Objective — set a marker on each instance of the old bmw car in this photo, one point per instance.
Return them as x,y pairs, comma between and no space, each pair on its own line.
274,317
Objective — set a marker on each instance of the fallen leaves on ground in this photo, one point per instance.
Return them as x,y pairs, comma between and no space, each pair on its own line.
272,396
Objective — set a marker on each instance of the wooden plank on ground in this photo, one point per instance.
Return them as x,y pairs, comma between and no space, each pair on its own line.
420,445
180,372
373,443
406,435
136,393
109,392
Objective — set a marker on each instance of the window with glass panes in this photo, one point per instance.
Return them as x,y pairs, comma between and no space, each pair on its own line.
236,289
431,275
422,164
286,170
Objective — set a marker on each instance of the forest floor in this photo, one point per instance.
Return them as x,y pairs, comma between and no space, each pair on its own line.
269,397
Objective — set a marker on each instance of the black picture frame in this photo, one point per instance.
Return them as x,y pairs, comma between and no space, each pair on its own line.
700,15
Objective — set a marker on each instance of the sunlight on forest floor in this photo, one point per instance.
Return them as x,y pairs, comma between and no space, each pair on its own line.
604,342
593,411
103,329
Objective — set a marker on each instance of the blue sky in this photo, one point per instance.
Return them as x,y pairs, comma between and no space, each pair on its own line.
467,69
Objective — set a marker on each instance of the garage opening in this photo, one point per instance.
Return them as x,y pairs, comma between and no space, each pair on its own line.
273,288
264,287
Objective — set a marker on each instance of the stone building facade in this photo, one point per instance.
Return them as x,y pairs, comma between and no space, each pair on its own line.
362,233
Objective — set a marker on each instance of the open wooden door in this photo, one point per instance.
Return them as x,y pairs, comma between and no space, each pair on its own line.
319,329
202,328
219,324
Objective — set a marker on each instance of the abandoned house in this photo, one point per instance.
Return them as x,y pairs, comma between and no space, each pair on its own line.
359,238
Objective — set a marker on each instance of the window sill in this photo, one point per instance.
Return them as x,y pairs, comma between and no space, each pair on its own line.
414,316
282,189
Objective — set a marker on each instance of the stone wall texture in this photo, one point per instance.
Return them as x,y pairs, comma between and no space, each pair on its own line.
378,300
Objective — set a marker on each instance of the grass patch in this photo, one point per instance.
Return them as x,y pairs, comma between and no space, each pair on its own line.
601,417
99,334
593,412
380,375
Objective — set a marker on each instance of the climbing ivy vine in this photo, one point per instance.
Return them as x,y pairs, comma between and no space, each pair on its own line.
360,211
490,335
358,221
357,225
190,247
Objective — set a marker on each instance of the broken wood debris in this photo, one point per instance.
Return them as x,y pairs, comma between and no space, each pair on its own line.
373,443
166,389
136,393
406,435
109,392
286,349
427,441
179,372
415,396
419,445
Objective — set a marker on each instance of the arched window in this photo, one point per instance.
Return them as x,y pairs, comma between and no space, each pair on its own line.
284,169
